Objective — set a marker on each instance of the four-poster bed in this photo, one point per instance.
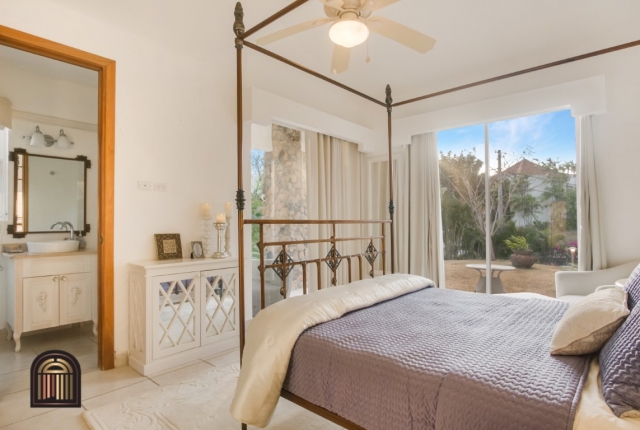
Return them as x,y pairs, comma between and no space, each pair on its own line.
390,291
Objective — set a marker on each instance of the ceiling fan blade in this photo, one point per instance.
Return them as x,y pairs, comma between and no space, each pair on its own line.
340,61
373,5
304,26
401,34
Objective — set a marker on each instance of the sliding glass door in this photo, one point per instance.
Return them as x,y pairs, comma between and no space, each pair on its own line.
509,205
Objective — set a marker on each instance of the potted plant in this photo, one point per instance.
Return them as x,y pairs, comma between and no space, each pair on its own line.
522,257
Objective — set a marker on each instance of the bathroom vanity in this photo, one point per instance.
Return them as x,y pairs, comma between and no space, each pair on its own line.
50,290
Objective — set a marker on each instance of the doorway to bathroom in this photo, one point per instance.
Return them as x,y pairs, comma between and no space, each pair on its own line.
57,161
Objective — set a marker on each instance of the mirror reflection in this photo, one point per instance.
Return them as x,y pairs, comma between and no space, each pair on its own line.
49,190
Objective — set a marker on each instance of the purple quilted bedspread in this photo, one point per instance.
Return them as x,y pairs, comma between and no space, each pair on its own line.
442,360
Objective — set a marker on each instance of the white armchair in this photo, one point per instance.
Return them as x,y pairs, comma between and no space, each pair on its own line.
573,286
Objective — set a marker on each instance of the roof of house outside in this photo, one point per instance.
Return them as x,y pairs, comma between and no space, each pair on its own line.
526,167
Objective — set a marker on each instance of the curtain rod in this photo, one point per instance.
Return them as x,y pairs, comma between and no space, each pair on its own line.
522,72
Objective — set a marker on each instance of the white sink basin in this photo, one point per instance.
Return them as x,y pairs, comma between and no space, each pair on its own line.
53,246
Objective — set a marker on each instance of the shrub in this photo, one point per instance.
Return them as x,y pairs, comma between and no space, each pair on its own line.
517,243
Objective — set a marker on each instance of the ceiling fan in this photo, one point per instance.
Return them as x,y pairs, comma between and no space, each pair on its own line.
352,22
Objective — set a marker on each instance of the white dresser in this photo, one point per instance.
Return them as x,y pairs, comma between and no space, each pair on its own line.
50,290
181,310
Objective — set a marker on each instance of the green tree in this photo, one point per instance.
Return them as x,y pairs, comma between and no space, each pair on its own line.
572,208
557,180
528,206
560,194
461,173
462,240
257,194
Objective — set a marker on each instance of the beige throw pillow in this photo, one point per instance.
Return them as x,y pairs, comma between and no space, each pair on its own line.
588,324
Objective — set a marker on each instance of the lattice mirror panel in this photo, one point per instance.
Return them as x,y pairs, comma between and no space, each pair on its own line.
220,304
177,301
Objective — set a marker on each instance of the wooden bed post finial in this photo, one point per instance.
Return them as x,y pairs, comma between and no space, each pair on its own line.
389,100
238,25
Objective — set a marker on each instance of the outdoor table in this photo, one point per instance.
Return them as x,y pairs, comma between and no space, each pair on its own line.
496,282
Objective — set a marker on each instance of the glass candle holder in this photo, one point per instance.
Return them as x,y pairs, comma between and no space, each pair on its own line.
221,227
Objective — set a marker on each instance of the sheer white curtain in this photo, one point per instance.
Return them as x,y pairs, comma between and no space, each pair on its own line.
378,204
424,241
591,252
335,190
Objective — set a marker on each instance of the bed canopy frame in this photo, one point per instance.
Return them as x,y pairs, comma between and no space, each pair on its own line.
284,264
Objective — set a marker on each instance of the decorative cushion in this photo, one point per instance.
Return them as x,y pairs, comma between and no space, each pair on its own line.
620,368
588,324
633,288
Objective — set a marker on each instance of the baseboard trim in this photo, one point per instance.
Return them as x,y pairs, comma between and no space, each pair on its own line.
211,350
121,358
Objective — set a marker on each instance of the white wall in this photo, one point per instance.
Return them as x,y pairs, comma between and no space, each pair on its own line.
38,94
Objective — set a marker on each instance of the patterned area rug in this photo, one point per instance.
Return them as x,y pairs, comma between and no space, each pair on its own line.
199,403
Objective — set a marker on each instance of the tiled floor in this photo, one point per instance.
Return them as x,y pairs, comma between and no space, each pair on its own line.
98,388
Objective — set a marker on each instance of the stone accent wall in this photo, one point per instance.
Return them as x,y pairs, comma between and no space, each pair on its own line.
285,190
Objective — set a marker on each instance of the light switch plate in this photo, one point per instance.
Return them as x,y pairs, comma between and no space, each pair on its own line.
160,187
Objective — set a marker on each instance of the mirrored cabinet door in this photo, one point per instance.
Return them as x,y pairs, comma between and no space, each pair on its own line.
176,322
219,304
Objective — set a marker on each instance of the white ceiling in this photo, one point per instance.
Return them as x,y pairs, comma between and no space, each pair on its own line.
47,67
476,39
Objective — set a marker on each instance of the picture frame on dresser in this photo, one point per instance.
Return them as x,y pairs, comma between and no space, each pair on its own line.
197,250
169,246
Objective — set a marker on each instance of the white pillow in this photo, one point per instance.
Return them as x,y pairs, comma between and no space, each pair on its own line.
588,324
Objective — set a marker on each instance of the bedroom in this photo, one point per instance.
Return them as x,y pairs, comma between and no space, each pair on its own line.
176,87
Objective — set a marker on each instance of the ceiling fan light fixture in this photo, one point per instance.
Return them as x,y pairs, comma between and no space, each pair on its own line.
348,33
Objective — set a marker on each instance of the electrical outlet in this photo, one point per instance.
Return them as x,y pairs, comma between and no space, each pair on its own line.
160,187
145,185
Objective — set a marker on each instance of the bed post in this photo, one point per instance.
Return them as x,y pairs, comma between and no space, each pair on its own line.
389,102
238,29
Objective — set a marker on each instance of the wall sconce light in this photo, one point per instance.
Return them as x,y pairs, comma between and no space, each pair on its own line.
47,141
63,141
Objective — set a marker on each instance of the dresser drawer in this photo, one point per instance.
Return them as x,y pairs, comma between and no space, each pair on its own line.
49,266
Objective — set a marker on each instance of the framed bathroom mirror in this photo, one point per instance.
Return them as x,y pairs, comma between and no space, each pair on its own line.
47,190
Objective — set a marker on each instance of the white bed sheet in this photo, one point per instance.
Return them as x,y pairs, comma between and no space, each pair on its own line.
593,412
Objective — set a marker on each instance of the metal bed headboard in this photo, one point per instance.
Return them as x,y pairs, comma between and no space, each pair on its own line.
283,264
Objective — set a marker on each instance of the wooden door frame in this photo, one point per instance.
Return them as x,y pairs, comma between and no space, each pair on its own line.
106,140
